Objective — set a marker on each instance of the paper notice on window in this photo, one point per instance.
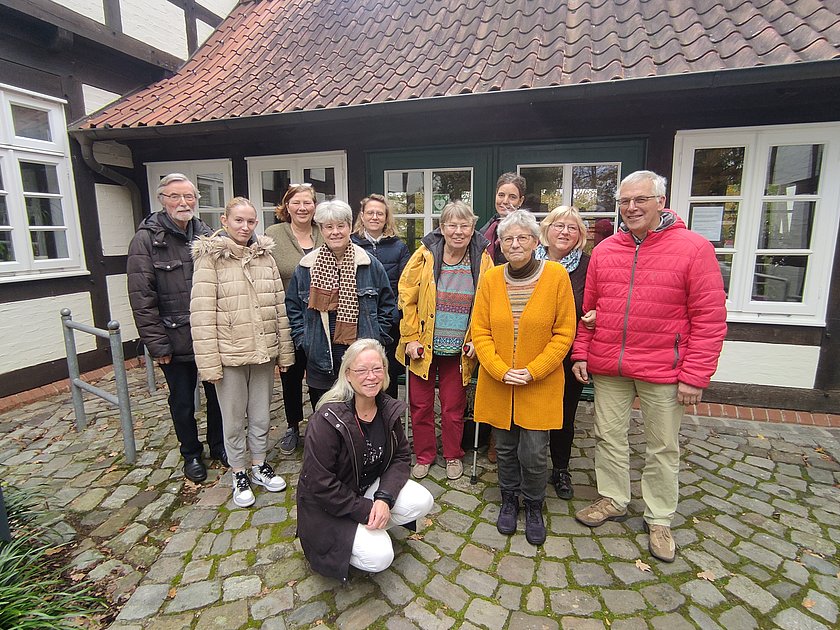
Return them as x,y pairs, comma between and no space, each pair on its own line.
708,221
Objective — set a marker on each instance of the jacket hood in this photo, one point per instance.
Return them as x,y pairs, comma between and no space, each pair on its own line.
362,257
221,246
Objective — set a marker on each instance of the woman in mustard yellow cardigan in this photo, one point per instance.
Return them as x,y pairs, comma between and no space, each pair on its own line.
523,326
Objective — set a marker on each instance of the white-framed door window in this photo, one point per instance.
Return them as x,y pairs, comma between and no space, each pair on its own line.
590,187
213,178
39,224
269,177
767,198
417,197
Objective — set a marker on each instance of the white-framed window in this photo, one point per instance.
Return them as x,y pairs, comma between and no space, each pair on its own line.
213,178
590,187
417,197
269,177
39,222
767,198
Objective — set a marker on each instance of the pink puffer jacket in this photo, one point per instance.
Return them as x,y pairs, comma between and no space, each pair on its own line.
661,308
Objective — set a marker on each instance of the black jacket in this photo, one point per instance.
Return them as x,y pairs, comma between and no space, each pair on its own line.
391,251
160,271
329,502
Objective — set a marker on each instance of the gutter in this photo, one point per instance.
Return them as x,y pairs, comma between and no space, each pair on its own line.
86,143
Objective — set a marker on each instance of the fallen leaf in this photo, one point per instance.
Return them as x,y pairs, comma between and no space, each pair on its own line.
77,576
172,592
641,566
760,437
809,603
415,536
113,454
706,575
291,582
174,528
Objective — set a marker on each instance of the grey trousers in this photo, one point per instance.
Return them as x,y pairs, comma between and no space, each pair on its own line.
522,461
245,391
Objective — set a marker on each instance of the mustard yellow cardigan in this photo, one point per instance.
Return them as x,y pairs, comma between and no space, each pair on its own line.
546,332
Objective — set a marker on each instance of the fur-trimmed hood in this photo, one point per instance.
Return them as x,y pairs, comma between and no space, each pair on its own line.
220,245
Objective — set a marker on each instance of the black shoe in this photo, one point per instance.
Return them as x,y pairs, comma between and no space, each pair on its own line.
562,482
534,523
194,470
506,523
290,441
221,457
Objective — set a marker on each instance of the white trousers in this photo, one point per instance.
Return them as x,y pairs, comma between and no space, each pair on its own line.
373,550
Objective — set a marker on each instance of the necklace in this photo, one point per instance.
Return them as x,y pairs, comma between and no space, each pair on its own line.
359,420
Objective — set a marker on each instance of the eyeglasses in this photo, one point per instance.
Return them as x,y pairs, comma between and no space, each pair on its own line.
568,227
519,238
362,372
374,213
176,197
639,201
458,227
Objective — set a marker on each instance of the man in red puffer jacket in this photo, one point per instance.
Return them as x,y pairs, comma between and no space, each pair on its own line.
660,308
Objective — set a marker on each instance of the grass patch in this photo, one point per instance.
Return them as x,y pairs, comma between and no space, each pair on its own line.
34,592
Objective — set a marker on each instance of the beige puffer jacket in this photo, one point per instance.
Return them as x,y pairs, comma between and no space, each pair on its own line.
237,306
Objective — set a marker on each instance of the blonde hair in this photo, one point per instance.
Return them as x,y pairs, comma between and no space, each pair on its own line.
390,228
343,391
561,212
282,211
236,202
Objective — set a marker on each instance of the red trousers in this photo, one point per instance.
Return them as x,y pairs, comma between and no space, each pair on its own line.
453,401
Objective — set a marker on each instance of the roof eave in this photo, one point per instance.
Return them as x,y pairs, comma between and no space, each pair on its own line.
737,77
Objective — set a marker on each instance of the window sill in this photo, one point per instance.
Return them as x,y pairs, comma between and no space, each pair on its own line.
774,319
27,276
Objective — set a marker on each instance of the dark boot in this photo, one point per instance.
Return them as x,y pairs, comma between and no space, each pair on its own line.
506,523
562,482
534,523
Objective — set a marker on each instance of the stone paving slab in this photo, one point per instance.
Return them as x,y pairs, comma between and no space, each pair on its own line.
757,528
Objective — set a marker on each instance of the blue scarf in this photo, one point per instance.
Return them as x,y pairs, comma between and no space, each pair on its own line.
570,261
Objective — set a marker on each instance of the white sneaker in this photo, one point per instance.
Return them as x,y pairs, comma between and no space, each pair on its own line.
243,496
264,475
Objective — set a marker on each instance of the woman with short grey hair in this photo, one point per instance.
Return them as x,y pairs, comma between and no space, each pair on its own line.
338,293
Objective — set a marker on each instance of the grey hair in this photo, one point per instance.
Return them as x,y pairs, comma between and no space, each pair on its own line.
457,210
659,183
343,391
172,178
519,218
333,211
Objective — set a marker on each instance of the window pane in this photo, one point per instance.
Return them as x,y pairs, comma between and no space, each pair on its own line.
725,262
593,187
794,170
450,186
49,245
411,230
405,192
7,250
715,221
31,123
274,186
779,278
43,211
323,179
544,190
717,172
597,231
4,211
786,225
39,178
212,219
211,187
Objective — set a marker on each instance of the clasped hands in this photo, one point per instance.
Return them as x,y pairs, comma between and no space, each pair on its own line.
379,516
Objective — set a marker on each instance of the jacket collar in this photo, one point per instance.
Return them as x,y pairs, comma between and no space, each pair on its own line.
362,257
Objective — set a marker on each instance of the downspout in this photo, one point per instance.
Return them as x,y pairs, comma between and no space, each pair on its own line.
86,145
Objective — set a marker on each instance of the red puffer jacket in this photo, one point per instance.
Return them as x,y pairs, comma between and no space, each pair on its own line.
661,307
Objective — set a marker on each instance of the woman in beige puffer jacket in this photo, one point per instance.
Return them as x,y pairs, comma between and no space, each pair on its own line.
240,332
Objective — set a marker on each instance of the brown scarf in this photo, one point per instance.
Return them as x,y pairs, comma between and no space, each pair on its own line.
333,287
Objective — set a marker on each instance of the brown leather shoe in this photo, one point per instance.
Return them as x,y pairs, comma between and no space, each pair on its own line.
491,449
600,512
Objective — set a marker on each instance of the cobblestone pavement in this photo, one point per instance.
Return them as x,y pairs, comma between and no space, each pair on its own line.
758,529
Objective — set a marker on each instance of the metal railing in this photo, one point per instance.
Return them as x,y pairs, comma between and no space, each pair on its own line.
121,400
